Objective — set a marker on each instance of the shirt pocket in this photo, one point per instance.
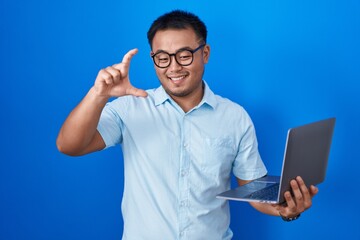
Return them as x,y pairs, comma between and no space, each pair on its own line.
219,155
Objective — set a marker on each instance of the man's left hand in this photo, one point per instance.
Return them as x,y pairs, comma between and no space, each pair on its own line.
297,202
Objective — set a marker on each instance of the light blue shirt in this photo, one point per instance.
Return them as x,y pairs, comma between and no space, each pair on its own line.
176,163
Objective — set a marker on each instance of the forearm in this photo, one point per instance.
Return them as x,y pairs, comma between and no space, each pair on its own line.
80,126
261,207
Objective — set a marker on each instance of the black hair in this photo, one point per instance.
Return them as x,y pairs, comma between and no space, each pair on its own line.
178,19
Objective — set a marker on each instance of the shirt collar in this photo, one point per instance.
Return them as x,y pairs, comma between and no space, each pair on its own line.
209,97
160,96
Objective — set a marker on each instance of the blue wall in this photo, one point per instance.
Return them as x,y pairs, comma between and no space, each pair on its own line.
286,62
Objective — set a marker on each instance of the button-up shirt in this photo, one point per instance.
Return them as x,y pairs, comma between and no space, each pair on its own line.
175,163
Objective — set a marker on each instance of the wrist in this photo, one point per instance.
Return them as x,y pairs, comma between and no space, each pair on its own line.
98,98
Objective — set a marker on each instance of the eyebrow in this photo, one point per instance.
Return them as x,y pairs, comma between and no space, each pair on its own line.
180,49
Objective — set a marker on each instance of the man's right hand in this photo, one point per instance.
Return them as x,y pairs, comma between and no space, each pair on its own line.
78,135
114,81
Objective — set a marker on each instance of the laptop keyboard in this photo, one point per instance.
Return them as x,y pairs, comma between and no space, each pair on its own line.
268,193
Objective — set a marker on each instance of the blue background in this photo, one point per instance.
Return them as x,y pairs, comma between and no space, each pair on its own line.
287,62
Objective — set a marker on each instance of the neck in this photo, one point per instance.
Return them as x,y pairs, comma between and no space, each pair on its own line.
190,101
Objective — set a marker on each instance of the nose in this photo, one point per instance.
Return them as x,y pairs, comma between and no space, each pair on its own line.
174,65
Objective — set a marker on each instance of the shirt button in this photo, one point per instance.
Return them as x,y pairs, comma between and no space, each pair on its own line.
184,203
183,173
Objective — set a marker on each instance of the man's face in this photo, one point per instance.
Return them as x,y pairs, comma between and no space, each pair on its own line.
181,82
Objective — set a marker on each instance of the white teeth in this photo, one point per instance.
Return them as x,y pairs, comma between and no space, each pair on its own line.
177,78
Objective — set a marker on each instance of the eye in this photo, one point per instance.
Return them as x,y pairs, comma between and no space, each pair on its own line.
184,55
162,57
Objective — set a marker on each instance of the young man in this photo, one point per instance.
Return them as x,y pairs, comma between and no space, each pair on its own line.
180,141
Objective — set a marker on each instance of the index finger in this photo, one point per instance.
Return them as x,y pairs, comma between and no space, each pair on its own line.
129,55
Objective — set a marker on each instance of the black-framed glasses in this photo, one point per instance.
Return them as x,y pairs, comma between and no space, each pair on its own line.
184,57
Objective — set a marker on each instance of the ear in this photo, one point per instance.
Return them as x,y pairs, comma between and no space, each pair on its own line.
206,53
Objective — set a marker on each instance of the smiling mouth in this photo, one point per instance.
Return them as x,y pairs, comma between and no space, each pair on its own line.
177,78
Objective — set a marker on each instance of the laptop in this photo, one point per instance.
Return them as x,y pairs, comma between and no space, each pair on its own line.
306,154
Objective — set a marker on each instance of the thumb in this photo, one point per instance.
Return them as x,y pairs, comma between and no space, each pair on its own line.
313,190
136,92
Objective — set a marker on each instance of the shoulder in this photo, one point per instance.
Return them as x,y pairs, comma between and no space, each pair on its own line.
232,112
225,104
226,109
220,103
